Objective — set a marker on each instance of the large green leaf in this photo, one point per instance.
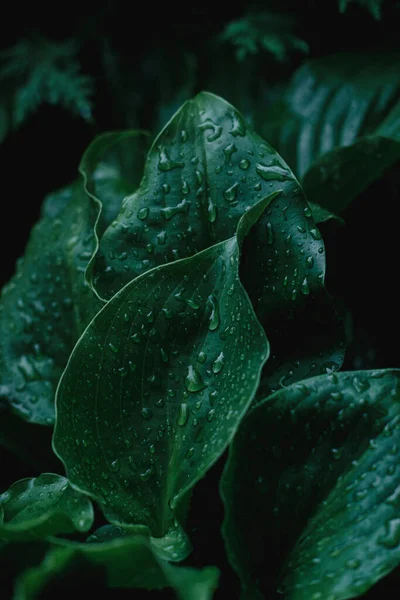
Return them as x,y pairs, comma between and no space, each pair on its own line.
42,506
312,488
202,172
339,124
157,385
211,166
125,562
46,305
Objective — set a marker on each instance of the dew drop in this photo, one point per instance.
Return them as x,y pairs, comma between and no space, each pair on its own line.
146,414
270,234
307,211
305,288
165,163
115,349
238,125
310,262
230,193
211,211
315,234
210,415
143,213
228,151
193,380
170,211
212,305
145,475
202,357
244,164
218,363
272,173
216,130
183,415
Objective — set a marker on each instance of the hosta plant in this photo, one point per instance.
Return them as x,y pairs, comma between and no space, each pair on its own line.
170,308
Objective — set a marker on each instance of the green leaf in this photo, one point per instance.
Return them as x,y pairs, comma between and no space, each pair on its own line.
202,172
123,562
46,305
374,6
219,168
339,125
158,383
112,167
37,70
312,488
43,506
272,32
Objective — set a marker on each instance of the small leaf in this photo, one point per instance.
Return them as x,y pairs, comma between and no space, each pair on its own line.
159,383
112,167
43,506
122,562
312,481
46,305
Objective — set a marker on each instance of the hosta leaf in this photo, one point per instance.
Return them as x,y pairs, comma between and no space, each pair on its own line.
338,126
202,172
158,383
45,307
210,166
42,506
127,562
312,480
112,167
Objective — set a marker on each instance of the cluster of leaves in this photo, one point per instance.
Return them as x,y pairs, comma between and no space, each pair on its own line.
171,308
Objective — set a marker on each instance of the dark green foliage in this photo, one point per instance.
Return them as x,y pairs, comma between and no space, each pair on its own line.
204,321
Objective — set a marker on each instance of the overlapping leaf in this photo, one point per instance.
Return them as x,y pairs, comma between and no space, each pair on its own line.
158,383
202,172
125,562
338,126
43,506
312,480
47,305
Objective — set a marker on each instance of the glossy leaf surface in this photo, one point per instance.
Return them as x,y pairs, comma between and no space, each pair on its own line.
202,172
158,383
46,305
338,126
42,506
312,479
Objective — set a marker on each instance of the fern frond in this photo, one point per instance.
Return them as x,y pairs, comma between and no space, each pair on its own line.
37,71
268,31
374,6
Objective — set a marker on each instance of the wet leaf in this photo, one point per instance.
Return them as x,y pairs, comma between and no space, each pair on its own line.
157,385
46,305
339,125
312,481
43,506
202,173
